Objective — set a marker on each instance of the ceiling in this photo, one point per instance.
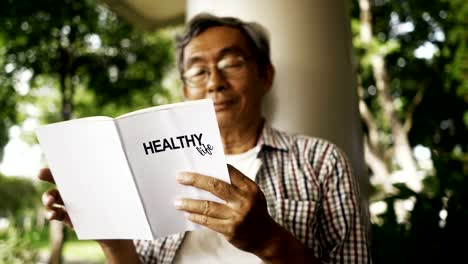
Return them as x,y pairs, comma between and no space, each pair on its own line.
149,14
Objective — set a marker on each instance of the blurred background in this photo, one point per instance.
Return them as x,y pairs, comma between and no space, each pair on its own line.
401,66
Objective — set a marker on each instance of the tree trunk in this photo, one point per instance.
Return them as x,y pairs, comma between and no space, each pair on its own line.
376,156
57,240
403,154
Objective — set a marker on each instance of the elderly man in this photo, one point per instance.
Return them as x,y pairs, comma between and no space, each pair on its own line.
292,198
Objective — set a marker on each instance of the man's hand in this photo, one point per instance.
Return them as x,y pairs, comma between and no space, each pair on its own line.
116,251
243,220
52,200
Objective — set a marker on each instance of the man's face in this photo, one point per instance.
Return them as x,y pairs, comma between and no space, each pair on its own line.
219,64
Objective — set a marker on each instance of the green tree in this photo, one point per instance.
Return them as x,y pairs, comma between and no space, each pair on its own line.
8,98
11,203
14,208
409,100
96,62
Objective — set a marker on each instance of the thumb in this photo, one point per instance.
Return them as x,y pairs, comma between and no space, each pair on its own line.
238,179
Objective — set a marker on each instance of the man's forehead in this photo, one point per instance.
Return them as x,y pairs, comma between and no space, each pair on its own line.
215,40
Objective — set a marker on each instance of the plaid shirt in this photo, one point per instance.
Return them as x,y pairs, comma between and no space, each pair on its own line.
310,191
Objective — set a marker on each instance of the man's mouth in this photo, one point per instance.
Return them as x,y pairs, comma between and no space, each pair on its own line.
222,105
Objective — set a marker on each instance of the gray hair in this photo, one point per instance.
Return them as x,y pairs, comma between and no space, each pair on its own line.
256,35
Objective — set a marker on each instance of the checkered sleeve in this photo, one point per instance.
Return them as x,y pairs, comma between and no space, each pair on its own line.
343,236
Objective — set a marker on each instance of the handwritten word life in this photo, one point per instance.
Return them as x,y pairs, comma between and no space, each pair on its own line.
203,150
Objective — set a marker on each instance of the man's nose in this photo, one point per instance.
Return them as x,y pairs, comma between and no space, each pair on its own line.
216,81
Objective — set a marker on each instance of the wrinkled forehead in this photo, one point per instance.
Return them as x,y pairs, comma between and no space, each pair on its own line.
215,43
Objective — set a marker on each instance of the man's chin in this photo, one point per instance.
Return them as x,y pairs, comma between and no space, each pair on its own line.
225,119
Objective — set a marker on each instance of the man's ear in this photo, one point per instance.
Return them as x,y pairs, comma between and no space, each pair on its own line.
184,88
268,77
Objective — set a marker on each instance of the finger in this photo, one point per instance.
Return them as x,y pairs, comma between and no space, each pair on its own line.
46,175
217,187
54,214
59,214
215,224
208,208
52,197
238,179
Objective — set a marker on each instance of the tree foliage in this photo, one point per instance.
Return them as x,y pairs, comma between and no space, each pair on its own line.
17,194
96,62
20,200
66,59
428,91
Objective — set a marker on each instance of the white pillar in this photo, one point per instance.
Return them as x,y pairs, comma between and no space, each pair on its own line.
315,89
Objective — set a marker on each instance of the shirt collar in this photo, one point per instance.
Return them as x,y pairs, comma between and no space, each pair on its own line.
272,138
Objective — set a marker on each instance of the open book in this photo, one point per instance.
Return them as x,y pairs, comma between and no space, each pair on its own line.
117,176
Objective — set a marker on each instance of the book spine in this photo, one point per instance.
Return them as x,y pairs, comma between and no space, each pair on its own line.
134,180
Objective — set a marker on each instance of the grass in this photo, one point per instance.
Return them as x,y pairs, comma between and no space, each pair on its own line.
79,252
75,251
83,251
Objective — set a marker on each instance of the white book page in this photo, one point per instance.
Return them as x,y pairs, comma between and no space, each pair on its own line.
161,143
94,179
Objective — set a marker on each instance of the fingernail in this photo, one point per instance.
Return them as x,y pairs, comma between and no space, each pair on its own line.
49,214
46,200
181,177
177,203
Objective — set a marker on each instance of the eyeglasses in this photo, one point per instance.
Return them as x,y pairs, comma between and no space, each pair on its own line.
230,67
